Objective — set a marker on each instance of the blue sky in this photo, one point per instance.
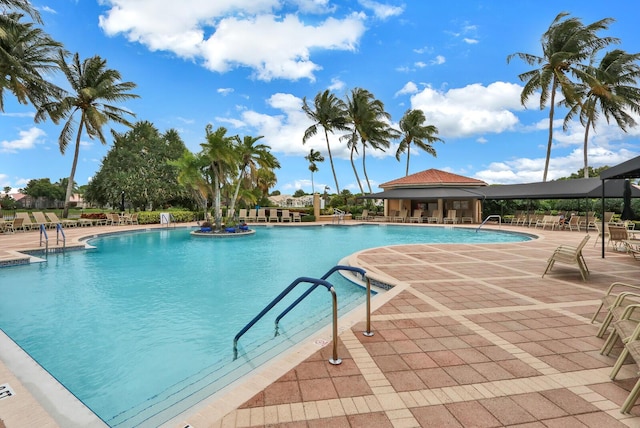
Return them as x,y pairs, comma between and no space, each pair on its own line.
247,64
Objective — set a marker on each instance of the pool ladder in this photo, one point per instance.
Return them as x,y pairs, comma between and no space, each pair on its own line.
44,237
487,219
315,282
338,216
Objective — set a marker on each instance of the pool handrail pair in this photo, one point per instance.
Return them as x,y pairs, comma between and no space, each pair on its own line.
314,284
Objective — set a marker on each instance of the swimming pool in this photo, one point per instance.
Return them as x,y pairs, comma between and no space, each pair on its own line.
142,327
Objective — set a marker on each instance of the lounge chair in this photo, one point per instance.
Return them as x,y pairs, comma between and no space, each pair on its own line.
623,327
364,216
273,215
574,223
451,217
295,217
632,348
570,255
434,217
41,220
416,217
242,215
262,215
53,217
26,221
285,216
251,215
400,217
132,219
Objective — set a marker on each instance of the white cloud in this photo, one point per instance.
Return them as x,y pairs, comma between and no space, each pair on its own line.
336,85
26,140
227,34
526,170
420,64
439,59
22,114
470,41
408,88
473,109
224,91
382,11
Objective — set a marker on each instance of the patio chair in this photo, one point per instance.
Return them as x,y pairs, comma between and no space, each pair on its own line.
451,217
631,348
617,236
574,223
42,220
262,215
416,217
53,217
295,217
611,297
570,255
601,235
132,219
252,215
285,216
12,226
623,328
26,221
242,215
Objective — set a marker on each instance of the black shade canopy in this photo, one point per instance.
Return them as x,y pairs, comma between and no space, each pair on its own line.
561,189
628,169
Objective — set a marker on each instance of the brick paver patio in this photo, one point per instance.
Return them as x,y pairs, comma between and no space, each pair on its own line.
470,335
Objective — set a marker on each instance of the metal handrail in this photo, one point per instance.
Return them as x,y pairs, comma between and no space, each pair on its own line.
59,232
313,287
486,219
335,359
43,231
338,215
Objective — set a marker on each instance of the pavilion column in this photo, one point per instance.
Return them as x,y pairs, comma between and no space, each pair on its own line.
478,211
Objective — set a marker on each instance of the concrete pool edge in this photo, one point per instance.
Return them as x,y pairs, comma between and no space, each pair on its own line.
55,401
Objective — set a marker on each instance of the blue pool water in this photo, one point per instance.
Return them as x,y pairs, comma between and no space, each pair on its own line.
141,328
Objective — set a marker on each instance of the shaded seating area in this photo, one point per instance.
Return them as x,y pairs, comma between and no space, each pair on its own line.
572,255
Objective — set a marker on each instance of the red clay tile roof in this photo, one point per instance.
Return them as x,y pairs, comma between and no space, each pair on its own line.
431,178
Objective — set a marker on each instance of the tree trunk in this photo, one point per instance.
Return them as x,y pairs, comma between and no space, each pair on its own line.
232,208
355,171
408,156
550,141
76,153
584,150
335,177
364,166
313,188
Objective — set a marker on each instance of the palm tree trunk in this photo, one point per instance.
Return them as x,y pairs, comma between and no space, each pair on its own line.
584,150
355,171
74,164
364,167
335,177
408,156
232,208
550,141
313,188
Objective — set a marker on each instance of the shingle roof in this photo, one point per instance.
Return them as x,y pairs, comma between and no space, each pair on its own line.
432,177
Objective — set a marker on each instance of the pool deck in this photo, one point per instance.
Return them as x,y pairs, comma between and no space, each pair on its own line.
470,335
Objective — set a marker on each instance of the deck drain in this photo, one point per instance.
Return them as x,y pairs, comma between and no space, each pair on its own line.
6,391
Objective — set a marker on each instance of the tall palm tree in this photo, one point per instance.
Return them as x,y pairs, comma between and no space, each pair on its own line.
190,176
251,157
611,88
93,85
565,44
23,5
313,158
370,124
328,112
414,131
26,54
222,158
264,180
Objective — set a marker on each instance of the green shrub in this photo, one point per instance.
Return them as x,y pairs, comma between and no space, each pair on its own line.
308,218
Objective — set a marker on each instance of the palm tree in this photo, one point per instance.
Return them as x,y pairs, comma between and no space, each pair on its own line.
611,89
264,180
370,123
23,5
329,113
222,158
26,54
415,132
190,167
565,44
252,156
93,85
313,158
